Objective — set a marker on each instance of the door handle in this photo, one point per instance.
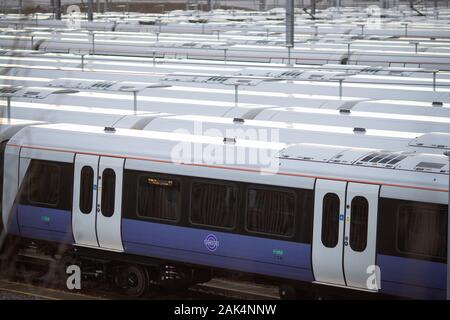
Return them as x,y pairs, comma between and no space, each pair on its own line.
346,241
98,208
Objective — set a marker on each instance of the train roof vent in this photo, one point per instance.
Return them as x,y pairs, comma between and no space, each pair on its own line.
28,92
292,74
371,70
217,79
425,163
273,73
435,140
189,44
315,76
102,85
182,78
437,104
323,153
251,82
8,91
384,159
311,152
81,84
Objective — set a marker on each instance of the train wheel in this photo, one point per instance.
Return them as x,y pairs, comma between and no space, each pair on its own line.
134,281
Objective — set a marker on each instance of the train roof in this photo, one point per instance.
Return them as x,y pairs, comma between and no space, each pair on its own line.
161,145
9,127
296,132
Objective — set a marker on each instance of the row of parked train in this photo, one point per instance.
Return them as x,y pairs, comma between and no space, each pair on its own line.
348,38
325,179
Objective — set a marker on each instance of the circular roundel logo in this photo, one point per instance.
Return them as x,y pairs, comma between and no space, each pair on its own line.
211,242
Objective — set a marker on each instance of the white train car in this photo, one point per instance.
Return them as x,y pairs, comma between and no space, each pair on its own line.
308,53
357,119
92,116
295,132
271,85
336,215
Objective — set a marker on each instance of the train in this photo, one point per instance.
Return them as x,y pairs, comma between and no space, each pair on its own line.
233,52
167,149
170,208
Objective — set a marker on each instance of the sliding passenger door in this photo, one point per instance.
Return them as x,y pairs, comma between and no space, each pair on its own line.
97,202
84,210
344,233
360,234
328,231
109,204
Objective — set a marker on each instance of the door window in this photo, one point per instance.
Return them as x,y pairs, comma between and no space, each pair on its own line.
108,192
86,189
330,220
358,223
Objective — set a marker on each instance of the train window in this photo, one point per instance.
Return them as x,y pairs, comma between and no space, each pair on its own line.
330,220
158,198
108,192
44,179
270,211
422,230
86,189
213,204
359,223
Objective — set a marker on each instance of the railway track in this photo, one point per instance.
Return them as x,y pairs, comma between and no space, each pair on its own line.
27,284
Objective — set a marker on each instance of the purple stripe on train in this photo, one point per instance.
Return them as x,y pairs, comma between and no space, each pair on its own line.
416,279
218,249
44,224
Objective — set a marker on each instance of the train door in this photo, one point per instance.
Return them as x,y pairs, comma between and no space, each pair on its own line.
344,233
84,209
360,234
328,231
97,202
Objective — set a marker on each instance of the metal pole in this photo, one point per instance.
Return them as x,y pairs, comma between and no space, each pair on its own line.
289,23
289,55
340,89
90,10
225,55
135,101
8,107
82,62
58,9
313,7
92,34
416,46
406,28
434,80
447,153
236,92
